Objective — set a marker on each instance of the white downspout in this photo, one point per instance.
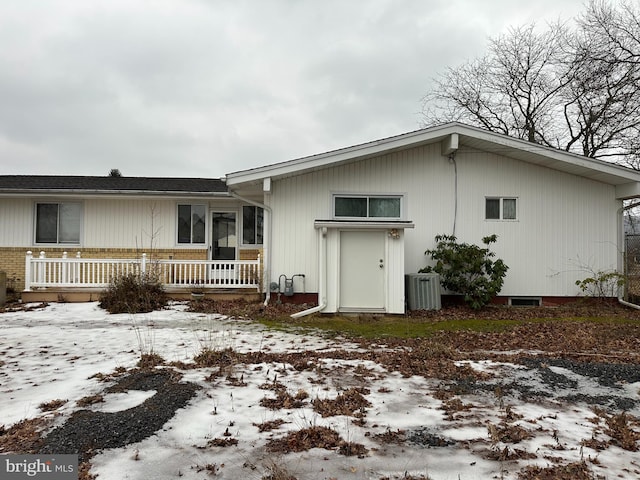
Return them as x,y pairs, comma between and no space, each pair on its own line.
623,250
322,278
265,248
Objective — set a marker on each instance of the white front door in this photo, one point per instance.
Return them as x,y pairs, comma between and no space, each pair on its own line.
362,271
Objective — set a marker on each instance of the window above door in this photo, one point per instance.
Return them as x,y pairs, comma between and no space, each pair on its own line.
374,207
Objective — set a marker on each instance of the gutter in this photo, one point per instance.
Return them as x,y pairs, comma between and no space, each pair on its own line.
322,278
621,211
267,248
109,193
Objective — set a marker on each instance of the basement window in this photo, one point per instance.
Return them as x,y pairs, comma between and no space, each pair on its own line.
525,301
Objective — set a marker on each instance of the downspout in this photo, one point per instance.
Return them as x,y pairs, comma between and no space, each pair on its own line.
267,257
623,250
452,160
322,278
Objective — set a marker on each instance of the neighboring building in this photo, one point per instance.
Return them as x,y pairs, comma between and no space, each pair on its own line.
347,225
123,217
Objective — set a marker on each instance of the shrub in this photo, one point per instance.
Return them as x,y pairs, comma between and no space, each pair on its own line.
602,284
133,293
468,269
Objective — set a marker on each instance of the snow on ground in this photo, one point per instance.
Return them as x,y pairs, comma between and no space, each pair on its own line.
56,352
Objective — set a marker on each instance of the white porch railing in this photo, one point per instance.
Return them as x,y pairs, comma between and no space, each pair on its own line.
43,272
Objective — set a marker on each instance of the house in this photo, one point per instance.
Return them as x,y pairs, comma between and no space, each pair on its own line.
354,221
339,229
177,221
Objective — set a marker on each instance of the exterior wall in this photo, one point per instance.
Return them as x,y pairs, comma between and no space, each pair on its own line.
566,224
12,262
16,217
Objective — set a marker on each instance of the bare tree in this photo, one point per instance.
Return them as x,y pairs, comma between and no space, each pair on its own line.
603,112
575,89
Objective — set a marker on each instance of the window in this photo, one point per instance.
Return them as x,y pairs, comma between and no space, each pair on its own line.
252,225
191,223
497,208
58,222
367,206
525,301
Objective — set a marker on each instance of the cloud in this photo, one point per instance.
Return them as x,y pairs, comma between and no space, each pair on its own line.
202,88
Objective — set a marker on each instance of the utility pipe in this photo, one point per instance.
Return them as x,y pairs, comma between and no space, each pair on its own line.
322,278
267,248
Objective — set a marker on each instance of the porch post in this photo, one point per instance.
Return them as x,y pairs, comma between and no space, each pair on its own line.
64,268
3,288
259,274
76,269
41,270
27,271
143,264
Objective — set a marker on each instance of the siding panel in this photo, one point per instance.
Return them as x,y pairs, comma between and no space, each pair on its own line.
16,222
565,223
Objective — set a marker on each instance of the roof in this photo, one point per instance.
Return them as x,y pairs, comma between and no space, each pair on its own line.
110,185
468,136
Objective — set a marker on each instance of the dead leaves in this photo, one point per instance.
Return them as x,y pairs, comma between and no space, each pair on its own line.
315,437
350,403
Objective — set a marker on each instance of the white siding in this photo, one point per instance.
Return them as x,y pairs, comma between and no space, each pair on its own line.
16,222
564,222
108,223
129,223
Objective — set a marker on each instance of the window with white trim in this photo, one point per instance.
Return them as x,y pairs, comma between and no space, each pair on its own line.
377,207
252,225
191,224
501,208
58,223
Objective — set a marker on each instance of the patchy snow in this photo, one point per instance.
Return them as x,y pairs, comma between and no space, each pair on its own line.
61,351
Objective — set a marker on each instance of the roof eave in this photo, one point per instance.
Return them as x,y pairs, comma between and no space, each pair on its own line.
552,158
83,192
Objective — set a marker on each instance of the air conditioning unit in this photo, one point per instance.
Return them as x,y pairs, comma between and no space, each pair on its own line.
423,291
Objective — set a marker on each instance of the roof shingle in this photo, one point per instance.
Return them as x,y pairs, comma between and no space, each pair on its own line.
61,183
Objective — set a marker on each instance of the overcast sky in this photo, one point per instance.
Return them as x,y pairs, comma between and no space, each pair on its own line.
201,88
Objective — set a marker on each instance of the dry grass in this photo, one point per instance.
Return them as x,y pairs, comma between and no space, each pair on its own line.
572,471
52,405
90,400
270,425
23,437
350,402
315,437
284,399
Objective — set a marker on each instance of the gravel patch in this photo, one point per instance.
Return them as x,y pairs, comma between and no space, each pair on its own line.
538,382
87,431
425,438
